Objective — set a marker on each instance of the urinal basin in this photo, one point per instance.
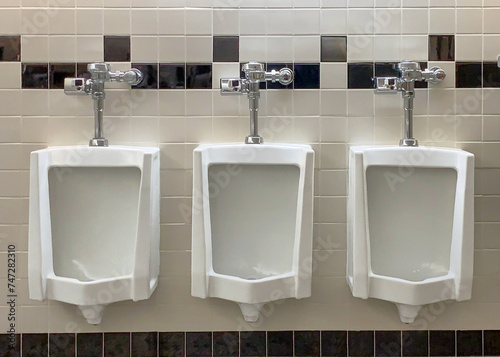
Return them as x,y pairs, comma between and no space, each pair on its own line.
93,225
410,224
252,223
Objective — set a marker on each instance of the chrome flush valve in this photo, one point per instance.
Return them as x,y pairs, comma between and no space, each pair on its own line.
99,74
254,75
410,73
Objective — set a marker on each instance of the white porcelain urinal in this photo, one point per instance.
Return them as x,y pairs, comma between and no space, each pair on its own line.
93,225
252,223
410,225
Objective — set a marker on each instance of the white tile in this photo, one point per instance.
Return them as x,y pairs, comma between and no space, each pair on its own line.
11,75
388,105
279,3
387,21
469,128
360,3
198,102
172,102
226,105
117,22
144,22
333,3
253,48
333,75
144,49
491,128
469,101
449,69
360,130
387,3
85,26
415,3
334,102
491,104
280,21
442,21
387,48
441,101
34,49
470,3
442,3
360,103
253,21
468,48
306,102
307,48
199,48
491,47
38,100
360,21
333,129
333,21
89,3
491,23
360,48
172,22
199,21
10,131
280,48
415,21
10,22
34,21
226,22
469,20
89,49
62,49
306,22
175,3
306,3
172,49
63,22
414,48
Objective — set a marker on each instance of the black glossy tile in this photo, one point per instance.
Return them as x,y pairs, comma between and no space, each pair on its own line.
198,76
144,344
35,76
279,343
10,48
35,344
117,344
359,75
10,345
198,344
491,342
89,344
333,49
62,345
442,343
307,343
360,343
172,76
491,75
116,48
81,70
252,343
415,343
469,343
59,71
387,69
441,47
149,74
306,76
226,48
277,67
171,344
468,75
226,344
387,343
334,343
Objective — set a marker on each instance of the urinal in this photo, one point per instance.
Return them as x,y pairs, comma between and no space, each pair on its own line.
410,220
93,225
252,223
252,216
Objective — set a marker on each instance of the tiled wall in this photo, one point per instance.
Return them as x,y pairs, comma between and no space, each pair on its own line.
335,47
260,343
